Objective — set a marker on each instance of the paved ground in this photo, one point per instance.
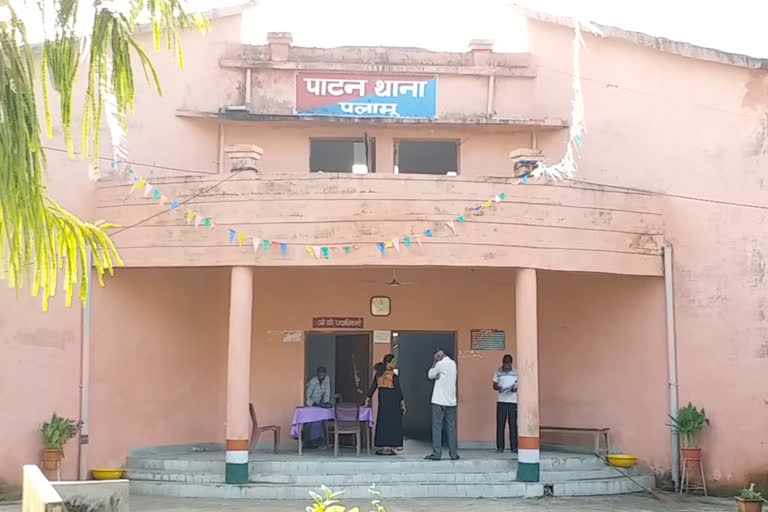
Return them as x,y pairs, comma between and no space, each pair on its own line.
601,504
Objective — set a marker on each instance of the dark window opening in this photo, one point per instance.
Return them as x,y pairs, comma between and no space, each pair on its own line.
342,155
427,156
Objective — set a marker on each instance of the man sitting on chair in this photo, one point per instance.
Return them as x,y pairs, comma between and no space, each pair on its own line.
318,395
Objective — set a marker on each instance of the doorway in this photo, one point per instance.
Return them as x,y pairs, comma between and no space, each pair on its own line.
346,358
415,351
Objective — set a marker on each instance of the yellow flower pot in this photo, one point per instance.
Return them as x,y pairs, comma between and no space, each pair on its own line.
107,474
622,461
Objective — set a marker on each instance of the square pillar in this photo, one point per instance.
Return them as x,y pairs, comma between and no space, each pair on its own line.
527,338
239,375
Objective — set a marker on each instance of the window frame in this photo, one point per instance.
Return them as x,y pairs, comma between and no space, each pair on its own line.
368,142
396,144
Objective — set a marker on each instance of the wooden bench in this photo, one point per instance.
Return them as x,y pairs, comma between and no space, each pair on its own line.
598,434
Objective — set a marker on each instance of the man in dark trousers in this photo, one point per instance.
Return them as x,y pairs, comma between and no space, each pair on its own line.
505,383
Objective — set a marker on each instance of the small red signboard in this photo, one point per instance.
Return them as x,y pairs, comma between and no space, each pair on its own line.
337,323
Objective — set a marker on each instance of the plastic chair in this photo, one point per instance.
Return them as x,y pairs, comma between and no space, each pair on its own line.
257,430
346,422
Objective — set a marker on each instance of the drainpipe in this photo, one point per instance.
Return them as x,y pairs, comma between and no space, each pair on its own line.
669,293
85,375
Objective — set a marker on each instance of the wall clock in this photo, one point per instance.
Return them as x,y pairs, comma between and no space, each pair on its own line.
380,306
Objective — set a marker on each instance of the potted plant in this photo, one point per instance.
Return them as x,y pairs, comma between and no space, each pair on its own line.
56,433
750,500
689,423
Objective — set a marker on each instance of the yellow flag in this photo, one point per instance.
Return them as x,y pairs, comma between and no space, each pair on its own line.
241,238
311,252
139,185
488,204
190,216
389,245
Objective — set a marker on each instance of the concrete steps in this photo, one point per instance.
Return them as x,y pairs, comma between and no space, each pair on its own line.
294,477
298,492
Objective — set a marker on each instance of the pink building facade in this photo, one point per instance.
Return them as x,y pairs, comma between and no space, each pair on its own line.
197,324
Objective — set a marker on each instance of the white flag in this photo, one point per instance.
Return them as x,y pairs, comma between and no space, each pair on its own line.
148,189
451,225
396,243
256,244
317,252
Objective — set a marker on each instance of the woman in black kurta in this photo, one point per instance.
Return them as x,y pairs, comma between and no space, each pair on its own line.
389,420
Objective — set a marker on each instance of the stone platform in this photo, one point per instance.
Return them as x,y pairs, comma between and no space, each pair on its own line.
197,471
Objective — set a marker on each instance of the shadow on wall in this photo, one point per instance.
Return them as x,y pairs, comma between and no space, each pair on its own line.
415,352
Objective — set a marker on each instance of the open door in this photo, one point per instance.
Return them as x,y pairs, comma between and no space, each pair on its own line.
353,367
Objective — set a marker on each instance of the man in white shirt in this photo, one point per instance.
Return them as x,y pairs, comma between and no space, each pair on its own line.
505,382
443,372
318,395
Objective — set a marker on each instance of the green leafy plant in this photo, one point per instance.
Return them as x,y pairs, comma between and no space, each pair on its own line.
689,423
750,494
329,501
39,240
58,431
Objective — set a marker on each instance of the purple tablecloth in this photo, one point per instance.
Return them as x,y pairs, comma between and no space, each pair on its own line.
311,414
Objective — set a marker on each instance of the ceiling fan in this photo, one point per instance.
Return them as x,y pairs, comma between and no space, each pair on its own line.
394,282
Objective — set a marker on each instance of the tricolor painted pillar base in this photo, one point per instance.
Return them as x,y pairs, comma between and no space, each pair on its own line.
239,375
527,339
528,459
237,462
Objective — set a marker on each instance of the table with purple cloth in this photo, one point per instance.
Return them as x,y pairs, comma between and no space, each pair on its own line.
304,415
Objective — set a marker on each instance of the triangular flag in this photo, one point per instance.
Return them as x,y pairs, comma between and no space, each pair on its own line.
461,218
407,242
497,198
256,244
115,164
429,233
156,195
348,250
525,179
502,196
197,221
382,248
208,223
174,205
326,253
232,236
488,204
389,245
451,225
396,243
266,245
418,241
147,189
138,185
130,171
478,208
241,238
284,250
134,180
190,216
316,251
311,252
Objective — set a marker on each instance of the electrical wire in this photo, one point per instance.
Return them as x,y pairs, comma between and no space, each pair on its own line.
205,191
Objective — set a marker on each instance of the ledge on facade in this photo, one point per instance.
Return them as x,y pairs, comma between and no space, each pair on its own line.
480,59
248,117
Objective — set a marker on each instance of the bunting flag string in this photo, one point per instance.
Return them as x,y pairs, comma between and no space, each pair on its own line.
236,237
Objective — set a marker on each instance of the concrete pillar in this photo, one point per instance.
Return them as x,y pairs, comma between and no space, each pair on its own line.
526,327
239,374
